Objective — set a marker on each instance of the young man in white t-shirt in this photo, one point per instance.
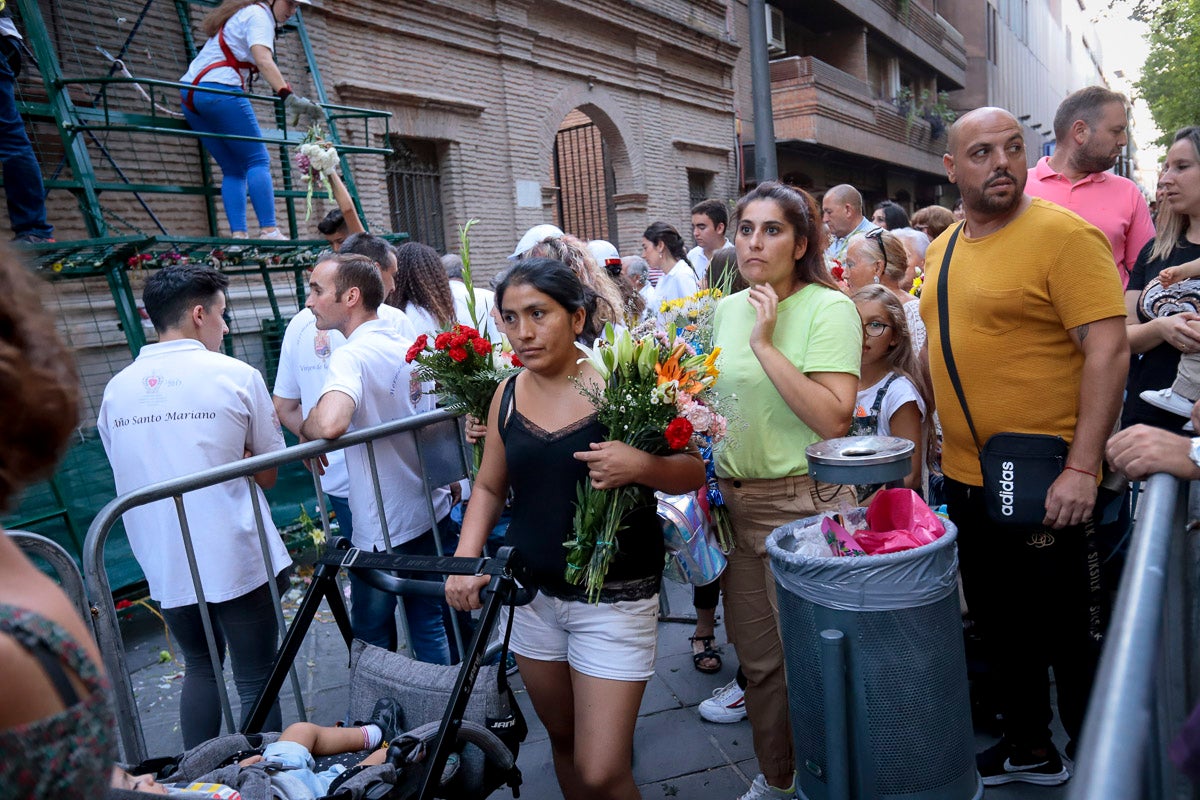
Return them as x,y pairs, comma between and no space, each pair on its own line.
304,368
709,218
369,383
182,407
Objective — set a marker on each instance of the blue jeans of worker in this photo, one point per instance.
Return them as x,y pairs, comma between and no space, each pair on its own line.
245,166
340,506
373,612
22,176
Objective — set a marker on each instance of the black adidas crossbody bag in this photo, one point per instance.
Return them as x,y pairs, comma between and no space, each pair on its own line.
1018,468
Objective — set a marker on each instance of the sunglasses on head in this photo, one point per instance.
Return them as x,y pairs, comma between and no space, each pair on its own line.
878,237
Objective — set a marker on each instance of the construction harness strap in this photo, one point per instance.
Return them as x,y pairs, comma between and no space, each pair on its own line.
229,60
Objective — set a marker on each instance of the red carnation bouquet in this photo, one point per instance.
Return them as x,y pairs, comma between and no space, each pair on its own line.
466,369
656,395
465,366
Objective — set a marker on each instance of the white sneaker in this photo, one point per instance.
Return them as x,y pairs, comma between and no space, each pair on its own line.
275,234
761,790
238,235
728,704
1168,401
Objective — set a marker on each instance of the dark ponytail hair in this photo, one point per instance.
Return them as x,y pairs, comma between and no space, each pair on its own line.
559,282
666,234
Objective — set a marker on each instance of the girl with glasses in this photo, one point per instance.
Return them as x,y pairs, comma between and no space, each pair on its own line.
893,395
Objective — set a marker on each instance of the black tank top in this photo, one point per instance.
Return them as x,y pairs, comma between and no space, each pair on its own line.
544,475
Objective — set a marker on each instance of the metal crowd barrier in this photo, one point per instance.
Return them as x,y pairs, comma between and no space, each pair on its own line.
66,572
443,456
1146,684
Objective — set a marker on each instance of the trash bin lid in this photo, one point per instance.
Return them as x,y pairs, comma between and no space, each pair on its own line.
860,460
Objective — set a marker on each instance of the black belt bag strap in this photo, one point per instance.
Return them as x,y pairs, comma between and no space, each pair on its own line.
1018,468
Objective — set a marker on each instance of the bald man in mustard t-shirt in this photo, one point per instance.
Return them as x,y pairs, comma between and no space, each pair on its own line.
1037,328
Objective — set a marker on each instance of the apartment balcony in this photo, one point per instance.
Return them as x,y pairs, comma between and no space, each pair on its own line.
816,103
925,35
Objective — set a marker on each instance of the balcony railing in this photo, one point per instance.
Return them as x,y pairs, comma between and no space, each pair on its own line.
924,34
816,102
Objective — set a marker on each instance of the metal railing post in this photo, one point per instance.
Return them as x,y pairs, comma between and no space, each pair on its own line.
1117,729
455,628
276,600
205,618
64,567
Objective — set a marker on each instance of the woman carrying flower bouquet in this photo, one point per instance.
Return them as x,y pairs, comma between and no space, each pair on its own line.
790,350
585,665
241,43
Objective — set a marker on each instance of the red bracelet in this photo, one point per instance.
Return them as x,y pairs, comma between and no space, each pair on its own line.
283,92
1084,471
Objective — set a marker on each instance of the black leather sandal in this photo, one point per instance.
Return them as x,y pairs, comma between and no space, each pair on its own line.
709,653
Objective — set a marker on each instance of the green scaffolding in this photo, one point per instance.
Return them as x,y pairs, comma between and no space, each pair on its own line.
101,104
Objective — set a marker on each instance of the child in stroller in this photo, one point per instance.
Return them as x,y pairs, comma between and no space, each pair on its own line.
289,761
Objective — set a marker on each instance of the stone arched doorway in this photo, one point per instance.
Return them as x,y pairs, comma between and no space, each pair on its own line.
584,179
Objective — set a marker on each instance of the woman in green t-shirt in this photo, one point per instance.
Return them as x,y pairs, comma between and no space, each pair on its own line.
791,346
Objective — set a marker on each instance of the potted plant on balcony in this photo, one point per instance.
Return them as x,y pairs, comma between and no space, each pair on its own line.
937,113
903,101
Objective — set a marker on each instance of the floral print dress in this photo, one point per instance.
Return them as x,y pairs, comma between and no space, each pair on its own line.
70,754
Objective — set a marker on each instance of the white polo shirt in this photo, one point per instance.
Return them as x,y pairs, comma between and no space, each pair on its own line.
701,261
250,26
680,282
176,410
370,368
304,369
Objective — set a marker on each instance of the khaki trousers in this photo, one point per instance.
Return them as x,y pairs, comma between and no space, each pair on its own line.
757,507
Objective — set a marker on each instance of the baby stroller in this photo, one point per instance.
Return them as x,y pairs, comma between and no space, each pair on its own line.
444,716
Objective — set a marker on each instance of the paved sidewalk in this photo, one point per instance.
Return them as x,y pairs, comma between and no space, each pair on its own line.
676,754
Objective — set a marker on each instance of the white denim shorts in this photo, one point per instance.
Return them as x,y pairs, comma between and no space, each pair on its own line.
613,641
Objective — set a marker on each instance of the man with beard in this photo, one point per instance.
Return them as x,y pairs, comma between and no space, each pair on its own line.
1090,132
1037,321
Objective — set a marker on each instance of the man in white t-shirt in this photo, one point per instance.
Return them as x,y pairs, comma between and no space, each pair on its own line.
183,407
304,367
709,218
369,383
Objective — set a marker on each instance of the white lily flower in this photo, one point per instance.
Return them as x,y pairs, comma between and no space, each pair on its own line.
595,356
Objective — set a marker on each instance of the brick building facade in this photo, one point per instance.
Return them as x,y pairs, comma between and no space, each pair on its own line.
478,92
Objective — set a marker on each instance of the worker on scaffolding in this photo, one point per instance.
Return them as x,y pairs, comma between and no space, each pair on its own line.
241,40
23,186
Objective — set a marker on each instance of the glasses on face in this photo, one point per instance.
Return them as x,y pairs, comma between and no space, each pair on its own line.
922,228
878,237
875,328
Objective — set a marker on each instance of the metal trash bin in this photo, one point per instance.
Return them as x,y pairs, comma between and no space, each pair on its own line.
888,628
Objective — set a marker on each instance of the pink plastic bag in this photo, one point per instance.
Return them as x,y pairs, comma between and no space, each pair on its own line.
898,519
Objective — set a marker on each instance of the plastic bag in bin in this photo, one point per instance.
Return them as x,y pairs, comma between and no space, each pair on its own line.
841,541
898,519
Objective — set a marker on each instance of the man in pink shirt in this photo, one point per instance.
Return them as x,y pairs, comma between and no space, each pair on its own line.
1090,132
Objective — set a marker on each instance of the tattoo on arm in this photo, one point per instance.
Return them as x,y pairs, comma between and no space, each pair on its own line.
1081,333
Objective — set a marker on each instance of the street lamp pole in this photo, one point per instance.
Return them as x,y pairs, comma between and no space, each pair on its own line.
765,166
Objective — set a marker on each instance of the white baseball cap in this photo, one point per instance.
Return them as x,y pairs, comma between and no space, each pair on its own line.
602,251
538,233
